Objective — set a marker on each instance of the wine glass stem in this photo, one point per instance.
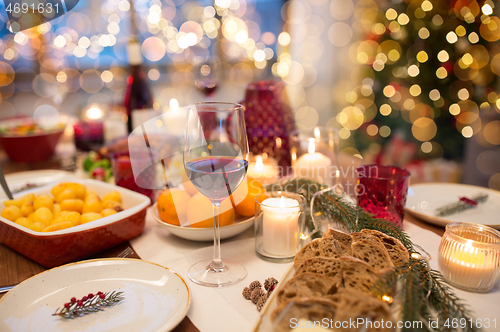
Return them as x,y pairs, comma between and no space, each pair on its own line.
217,261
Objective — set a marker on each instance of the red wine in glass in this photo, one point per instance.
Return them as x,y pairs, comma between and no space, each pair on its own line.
216,177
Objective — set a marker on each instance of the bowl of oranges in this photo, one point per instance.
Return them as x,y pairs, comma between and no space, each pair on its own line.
58,224
188,214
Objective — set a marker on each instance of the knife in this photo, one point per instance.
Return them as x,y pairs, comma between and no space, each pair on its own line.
4,185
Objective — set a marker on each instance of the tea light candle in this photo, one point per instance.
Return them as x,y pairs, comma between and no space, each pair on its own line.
314,165
469,264
280,226
263,172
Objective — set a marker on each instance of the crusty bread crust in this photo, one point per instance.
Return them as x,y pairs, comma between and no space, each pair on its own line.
397,251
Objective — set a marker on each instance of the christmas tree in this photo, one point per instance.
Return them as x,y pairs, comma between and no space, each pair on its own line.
431,71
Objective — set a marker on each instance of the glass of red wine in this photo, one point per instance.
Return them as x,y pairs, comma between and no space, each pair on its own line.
216,160
206,77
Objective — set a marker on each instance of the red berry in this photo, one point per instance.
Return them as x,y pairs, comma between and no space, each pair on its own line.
79,303
73,300
85,298
75,312
99,293
66,305
91,295
101,296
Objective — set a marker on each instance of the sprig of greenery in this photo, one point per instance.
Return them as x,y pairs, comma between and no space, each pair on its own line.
91,305
423,293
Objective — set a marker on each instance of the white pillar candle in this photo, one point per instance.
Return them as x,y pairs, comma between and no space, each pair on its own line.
280,226
314,166
263,172
468,267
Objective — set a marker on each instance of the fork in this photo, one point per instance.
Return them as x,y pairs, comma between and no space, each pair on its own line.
124,254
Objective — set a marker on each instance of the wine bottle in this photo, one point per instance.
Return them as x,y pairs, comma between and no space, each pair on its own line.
138,99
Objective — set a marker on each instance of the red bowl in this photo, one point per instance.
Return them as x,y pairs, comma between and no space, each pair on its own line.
60,247
29,148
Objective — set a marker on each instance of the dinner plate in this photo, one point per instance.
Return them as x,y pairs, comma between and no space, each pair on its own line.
205,234
17,181
423,200
156,298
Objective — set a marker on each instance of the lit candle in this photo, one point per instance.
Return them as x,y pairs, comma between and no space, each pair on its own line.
263,172
314,165
467,267
280,226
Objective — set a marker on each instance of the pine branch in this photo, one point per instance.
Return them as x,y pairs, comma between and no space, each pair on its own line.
89,305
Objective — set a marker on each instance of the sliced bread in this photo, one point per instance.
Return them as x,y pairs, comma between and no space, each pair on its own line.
343,238
309,309
329,267
306,285
353,304
357,274
316,248
397,251
373,253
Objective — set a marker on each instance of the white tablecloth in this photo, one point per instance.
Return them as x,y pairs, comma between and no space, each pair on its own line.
225,309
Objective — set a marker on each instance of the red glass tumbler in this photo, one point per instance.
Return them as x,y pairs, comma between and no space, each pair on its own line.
143,182
382,191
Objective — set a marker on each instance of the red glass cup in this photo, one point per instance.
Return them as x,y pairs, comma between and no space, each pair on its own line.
144,181
382,190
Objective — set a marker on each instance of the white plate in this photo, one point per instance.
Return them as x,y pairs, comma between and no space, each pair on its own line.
19,180
156,298
423,200
204,234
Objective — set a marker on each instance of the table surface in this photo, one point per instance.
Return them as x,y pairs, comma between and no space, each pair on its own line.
15,268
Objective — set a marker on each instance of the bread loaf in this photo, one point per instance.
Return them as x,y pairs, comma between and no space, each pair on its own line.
309,309
397,251
329,267
320,247
373,253
306,285
357,274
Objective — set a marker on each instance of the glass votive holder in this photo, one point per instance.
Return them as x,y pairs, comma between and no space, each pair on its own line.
137,173
469,256
279,224
315,154
382,190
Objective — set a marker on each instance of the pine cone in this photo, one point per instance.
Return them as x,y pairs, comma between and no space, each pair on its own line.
261,302
257,293
255,284
247,293
269,283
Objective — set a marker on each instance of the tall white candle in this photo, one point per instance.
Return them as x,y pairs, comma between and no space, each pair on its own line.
314,165
280,226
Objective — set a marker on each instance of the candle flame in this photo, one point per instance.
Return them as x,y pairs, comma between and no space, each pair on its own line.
312,146
259,165
282,202
316,133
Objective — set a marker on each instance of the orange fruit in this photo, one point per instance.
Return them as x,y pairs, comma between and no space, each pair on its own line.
172,206
243,197
200,212
188,185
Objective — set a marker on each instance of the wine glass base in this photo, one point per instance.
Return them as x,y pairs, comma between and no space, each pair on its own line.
201,273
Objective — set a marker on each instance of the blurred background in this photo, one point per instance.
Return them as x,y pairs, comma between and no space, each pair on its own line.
411,83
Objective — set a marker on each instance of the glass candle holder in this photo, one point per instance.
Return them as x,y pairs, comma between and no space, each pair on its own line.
279,223
469,256
315,154
382,190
